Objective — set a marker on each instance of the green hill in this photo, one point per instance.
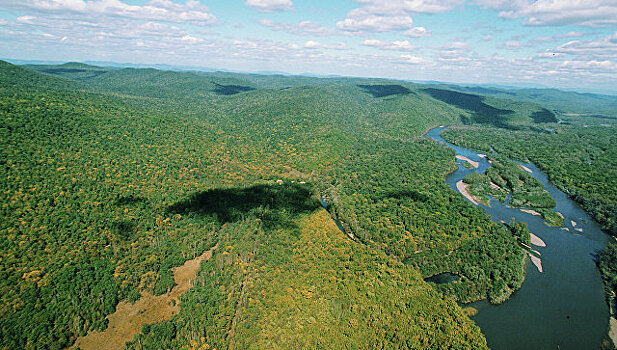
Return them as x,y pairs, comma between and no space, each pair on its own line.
111,177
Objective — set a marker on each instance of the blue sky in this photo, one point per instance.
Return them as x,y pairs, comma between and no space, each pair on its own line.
557,43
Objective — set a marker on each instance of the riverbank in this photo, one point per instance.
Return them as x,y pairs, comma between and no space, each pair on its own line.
463,188
566,264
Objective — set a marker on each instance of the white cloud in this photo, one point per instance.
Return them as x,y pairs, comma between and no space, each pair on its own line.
418,6
25,19
305,28
601,66
556,13
362,21
569,35
3,22
599,50
417,32
412,59
161,10
189,39
457,45
395,45
270,5
387,15
550,54
311,44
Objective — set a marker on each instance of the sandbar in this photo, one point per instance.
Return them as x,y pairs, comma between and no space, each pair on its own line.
463,188
536,261
612,333
495,186
530,211
481,155
573,223
537,241
526,169
473,163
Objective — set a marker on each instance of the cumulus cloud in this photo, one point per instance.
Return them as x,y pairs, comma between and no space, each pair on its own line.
386,15
412,59
395,45
162,10
457,45
25,19
305,28
417,6
270,5
418,32
599,50
362,21
569,35
311,44
550,54
556,13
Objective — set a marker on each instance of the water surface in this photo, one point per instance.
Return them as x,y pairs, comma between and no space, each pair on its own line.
561,308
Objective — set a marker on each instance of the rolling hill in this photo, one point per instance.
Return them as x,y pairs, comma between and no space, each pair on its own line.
112,177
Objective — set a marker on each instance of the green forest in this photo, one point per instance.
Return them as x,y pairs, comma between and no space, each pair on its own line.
111,177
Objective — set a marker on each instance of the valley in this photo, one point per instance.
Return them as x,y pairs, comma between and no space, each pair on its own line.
112,178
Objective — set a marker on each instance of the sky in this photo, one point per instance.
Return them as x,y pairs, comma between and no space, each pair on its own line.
568,44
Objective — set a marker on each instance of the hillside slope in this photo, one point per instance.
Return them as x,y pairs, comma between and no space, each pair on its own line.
109,180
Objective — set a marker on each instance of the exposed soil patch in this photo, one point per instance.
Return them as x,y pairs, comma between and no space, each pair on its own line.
129,318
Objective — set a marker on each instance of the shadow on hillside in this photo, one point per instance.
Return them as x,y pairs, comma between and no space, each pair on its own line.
230,89
73,70
543,116
487,91
276,205
385,90
481,112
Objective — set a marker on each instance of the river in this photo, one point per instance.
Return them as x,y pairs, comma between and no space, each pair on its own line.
562,307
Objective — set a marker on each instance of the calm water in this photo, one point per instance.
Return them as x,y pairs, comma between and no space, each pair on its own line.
564,306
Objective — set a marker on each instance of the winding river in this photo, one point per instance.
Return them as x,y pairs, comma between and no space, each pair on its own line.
562,307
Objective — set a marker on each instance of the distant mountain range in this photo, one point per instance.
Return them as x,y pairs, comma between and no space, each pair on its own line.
508,86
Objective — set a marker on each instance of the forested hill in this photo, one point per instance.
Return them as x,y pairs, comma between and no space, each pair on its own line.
111,177
563,102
